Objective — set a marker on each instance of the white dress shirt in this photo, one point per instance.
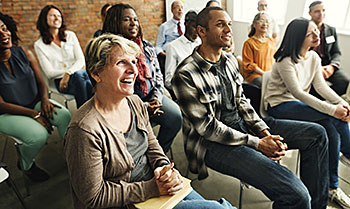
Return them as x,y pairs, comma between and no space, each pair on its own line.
176,52
55,61
167,33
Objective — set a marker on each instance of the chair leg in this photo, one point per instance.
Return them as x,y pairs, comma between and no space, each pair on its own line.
241,188
66,103
12,184
4,150
171,154
25,180
298,162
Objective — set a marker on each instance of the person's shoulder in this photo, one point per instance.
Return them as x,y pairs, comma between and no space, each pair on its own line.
69,33
39,42
86,117
147,43
329,30
135,100
177,42
250,41
188,65
313,55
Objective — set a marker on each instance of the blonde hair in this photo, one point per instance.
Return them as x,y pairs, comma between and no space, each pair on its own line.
98,51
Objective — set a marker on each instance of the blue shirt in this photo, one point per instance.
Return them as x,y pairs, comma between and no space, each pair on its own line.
19,88
167,33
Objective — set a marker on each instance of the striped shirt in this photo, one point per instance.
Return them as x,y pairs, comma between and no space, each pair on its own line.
198,91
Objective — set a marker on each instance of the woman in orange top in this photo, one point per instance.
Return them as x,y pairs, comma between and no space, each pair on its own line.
258,50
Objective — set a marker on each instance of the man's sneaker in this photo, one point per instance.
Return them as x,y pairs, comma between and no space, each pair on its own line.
338,196
345,160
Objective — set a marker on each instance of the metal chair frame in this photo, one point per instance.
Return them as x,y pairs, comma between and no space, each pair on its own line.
17,144
11,184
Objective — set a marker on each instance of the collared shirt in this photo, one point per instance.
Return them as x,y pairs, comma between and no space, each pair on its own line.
177,51
198,92
55,60
155,85
320,48
167,33
229,111
328,49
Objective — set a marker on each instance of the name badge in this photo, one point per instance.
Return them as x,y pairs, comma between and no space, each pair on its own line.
330,39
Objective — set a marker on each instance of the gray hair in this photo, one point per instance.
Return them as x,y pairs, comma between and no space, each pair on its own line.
98,51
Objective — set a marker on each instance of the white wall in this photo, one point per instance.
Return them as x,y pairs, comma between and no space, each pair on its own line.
294,9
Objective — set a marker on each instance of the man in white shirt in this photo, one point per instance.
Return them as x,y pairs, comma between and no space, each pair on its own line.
181,48
273,30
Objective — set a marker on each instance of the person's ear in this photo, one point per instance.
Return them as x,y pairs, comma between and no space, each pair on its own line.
96,77
201,31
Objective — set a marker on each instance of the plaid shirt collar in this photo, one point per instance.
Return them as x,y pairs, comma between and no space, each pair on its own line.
205,65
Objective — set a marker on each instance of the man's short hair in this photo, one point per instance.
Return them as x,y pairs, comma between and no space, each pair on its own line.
204,16
172,4
313,4
191,16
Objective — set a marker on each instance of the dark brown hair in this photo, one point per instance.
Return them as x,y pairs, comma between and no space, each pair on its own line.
43,27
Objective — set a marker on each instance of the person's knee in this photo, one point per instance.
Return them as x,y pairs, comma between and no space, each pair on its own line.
301,195
36,137
319,134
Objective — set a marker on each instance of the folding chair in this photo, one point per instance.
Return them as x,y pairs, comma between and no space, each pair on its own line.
17,144
5,176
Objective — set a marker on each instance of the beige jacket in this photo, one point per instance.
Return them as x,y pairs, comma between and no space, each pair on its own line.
99,164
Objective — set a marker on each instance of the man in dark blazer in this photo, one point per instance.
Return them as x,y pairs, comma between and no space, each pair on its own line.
328,50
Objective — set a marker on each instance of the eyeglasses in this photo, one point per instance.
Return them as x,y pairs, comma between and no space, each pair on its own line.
263,21
262,5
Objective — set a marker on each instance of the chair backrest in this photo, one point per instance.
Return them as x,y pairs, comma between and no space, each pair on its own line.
348,94
264,81
3,174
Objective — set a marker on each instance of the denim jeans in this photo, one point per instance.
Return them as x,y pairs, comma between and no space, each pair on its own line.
337,131
79,85
277,182
312,142
170,123
196,201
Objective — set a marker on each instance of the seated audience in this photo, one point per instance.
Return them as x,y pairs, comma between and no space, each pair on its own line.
258,50
287,96
104,10
273,31
213,3
222,130
60,55
122,20
169,31
26,113
181,48
329,51
113,157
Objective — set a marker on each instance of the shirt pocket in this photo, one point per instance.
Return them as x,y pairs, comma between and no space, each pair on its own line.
68,51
